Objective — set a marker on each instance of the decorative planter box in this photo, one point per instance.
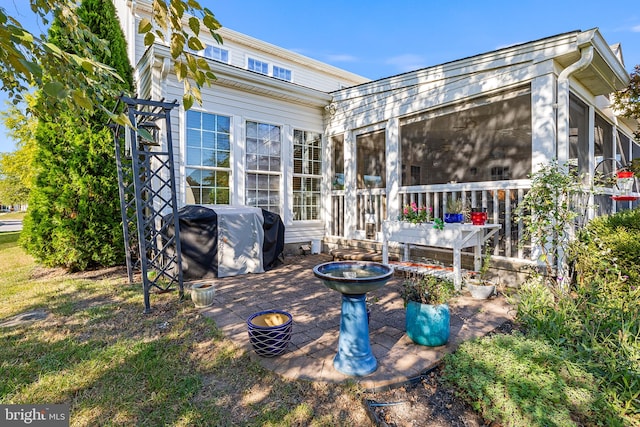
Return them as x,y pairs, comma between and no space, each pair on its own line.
452,236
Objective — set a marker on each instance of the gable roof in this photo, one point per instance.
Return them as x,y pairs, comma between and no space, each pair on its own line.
604,75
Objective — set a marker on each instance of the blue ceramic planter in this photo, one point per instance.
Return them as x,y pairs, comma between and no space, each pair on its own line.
453,217
428,324
270,332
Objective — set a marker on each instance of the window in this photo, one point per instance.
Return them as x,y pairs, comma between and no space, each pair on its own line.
208,158
216,53
282,73
307,175
489,140
578,135
370,160
258,66
337,142
263,165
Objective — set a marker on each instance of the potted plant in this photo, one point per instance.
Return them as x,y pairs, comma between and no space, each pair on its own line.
478,216
477,282
202,294
455,211
415,214
427,311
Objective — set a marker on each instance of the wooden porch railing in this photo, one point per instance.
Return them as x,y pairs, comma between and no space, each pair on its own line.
499,198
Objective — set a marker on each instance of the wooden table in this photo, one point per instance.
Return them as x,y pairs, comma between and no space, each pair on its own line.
453,236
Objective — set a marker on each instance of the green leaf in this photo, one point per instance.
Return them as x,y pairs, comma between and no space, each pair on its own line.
149,38
52,48
187,101
144,26
88,66
216,37
203,64
177,45
191,63
181,70
210,22
80,99
199,77
55,89
194,43
177,7
194,24
145,134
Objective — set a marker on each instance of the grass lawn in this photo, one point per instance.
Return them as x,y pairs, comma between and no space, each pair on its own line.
86,342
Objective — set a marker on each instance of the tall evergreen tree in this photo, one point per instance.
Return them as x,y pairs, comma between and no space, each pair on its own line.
73,219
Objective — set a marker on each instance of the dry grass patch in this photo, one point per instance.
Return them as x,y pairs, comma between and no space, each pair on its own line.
95,349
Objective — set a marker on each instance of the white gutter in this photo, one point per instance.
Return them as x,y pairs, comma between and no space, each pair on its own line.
562,150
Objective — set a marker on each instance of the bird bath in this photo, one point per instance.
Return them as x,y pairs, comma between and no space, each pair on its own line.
353,279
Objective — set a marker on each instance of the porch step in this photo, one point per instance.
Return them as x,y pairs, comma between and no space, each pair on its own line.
355,255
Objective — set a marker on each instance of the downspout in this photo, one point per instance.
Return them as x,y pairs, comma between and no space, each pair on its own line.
562,150
562,138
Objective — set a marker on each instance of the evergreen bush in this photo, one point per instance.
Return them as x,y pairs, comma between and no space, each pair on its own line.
74,215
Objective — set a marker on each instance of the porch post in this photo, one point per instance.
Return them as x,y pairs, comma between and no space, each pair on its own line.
350,185
392,155
543,121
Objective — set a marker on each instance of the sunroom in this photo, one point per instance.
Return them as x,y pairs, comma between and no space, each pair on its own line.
475,130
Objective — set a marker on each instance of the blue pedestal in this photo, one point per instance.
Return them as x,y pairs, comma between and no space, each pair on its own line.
354,349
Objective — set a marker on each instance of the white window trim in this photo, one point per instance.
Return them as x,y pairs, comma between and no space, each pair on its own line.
182,188
259,59
283,68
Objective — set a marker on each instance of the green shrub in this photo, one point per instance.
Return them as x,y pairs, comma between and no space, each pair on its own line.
74,218
598,323
608,243
520,381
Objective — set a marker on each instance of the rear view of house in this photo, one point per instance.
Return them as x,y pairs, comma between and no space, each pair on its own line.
335,154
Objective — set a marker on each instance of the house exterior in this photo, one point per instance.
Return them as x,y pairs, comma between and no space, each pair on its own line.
336,154
257,139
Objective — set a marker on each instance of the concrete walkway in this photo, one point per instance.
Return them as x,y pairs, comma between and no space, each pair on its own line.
292,287
7,225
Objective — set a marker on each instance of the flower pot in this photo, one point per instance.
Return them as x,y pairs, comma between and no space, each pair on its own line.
480,290
453,217
478,218
202,294
427,324
270,332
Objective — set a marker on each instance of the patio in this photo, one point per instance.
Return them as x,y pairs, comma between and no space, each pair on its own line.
292,287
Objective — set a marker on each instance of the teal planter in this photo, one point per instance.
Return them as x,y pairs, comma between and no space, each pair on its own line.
427,324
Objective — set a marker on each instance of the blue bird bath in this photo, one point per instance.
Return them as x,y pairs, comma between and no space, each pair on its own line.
353,279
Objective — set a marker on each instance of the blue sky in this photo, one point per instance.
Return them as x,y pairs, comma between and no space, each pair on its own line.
381,38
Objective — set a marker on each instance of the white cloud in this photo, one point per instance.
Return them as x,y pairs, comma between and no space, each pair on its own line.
407,62
636,29
344,57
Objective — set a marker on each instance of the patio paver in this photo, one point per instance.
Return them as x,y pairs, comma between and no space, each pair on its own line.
315,309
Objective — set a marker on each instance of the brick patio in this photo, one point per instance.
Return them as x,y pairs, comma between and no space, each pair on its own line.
292,287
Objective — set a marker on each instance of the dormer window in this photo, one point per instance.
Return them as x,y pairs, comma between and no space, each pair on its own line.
281,73
258,66
216,53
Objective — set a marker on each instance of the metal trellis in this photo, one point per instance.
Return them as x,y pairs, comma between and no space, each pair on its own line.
148,202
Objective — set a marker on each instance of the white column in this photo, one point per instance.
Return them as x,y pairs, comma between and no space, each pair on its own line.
350,185
286,190
327,178
543,120
392,156
237,161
